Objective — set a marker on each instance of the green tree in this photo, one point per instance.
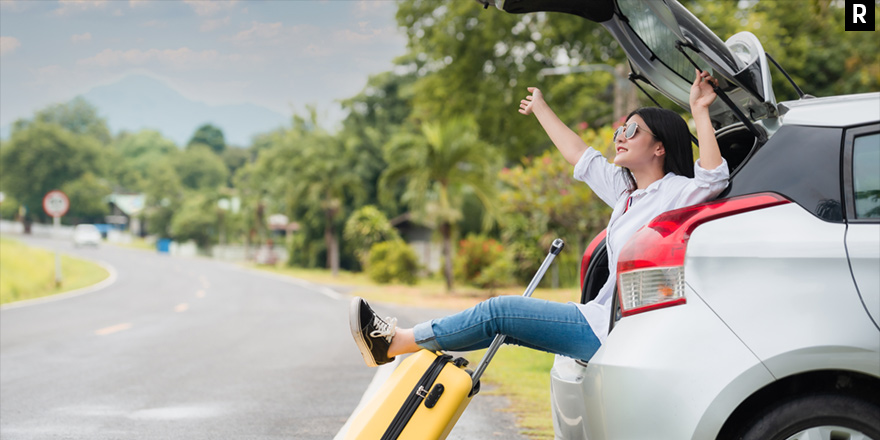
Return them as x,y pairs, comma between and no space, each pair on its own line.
195,220
479,62
809,41
235,158
77,116
88,199
437,166
208,135
164,192
201,169
373,117
311,171
40,157
137,153
366,227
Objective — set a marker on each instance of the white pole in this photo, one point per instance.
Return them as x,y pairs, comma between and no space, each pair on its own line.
56,231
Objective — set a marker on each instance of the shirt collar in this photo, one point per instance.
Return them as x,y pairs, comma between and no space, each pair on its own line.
654,186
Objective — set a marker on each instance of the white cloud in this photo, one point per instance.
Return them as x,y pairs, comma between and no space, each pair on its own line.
204,8
210,25
8,45
14,5
155,24
51,71
165,60
183,58
79,38
261,32
67,6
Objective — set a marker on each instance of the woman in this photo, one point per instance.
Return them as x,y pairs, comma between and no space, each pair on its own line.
653,172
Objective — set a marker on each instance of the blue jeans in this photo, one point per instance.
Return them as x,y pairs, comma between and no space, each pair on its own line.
530,322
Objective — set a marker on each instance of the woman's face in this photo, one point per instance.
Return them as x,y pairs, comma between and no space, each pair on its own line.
639,151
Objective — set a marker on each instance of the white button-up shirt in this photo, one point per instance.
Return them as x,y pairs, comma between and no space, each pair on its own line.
671,192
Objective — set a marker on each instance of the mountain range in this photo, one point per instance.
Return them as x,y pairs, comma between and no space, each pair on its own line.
141,102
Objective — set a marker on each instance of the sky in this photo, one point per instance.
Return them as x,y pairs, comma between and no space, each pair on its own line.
281,54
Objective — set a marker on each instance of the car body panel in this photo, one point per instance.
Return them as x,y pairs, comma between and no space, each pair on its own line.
705,375
792,301
834,111
863,246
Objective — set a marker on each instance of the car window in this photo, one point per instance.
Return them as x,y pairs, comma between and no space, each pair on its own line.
866,175
657,36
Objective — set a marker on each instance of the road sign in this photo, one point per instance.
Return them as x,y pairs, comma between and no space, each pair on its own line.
56,203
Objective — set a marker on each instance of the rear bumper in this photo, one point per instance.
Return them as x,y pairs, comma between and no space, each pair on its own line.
675,373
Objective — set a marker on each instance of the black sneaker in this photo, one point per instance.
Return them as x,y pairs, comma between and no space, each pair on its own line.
371,333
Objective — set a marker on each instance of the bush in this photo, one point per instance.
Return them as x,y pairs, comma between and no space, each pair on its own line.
392,260
475,254
366,227
498,274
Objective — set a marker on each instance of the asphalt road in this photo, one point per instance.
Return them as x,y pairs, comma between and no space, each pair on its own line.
190,348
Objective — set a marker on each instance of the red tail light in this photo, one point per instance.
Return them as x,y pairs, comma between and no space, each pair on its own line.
650,269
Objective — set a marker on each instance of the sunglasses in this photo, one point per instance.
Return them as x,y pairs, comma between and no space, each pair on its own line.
629,131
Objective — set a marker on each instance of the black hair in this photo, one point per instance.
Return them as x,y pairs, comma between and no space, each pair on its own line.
670,129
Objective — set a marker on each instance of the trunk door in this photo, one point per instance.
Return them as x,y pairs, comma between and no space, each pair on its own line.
663,41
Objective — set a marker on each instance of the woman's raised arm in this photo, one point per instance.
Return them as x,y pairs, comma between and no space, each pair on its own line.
566,140
702,95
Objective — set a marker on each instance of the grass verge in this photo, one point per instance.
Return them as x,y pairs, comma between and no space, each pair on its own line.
28,273
520,374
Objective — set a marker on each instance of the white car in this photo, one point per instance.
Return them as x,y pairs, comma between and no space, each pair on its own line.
86,235
757,315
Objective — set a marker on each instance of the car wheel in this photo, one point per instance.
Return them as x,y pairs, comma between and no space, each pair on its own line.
819,417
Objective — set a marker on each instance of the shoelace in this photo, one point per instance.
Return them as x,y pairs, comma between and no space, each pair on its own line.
384,329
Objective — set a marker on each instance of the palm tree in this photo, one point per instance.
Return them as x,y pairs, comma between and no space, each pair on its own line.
312,171
437,166
321,184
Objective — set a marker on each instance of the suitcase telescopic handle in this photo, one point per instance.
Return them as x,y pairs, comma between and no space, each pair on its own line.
555,249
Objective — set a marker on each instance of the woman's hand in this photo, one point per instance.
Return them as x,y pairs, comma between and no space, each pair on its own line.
702,93
526,106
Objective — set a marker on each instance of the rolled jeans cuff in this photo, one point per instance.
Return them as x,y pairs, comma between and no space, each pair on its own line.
424,336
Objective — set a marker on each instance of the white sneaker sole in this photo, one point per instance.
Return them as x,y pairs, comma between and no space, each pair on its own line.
354,318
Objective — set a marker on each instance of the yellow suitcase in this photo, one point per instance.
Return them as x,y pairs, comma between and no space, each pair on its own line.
428,391
422,400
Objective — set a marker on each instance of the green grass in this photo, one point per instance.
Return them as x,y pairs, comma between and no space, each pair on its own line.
523,376
27,272
520,374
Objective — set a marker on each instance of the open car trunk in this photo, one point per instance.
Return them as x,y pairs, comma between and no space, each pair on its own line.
664,43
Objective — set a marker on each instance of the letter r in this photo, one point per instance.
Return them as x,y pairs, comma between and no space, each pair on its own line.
859,12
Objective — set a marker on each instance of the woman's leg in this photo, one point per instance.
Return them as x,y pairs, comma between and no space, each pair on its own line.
543,325
558,328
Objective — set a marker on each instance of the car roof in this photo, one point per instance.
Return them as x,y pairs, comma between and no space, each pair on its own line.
833,111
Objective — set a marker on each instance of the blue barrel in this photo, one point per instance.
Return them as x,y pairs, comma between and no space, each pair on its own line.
163,245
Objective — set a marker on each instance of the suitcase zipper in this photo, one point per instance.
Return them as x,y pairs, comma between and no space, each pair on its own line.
418,394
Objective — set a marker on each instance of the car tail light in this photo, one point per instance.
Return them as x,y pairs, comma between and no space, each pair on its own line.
650,269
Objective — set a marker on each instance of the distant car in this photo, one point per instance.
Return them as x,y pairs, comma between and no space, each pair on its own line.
756,315
86,235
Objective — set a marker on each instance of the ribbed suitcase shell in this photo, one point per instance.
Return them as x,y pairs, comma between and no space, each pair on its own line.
426,423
